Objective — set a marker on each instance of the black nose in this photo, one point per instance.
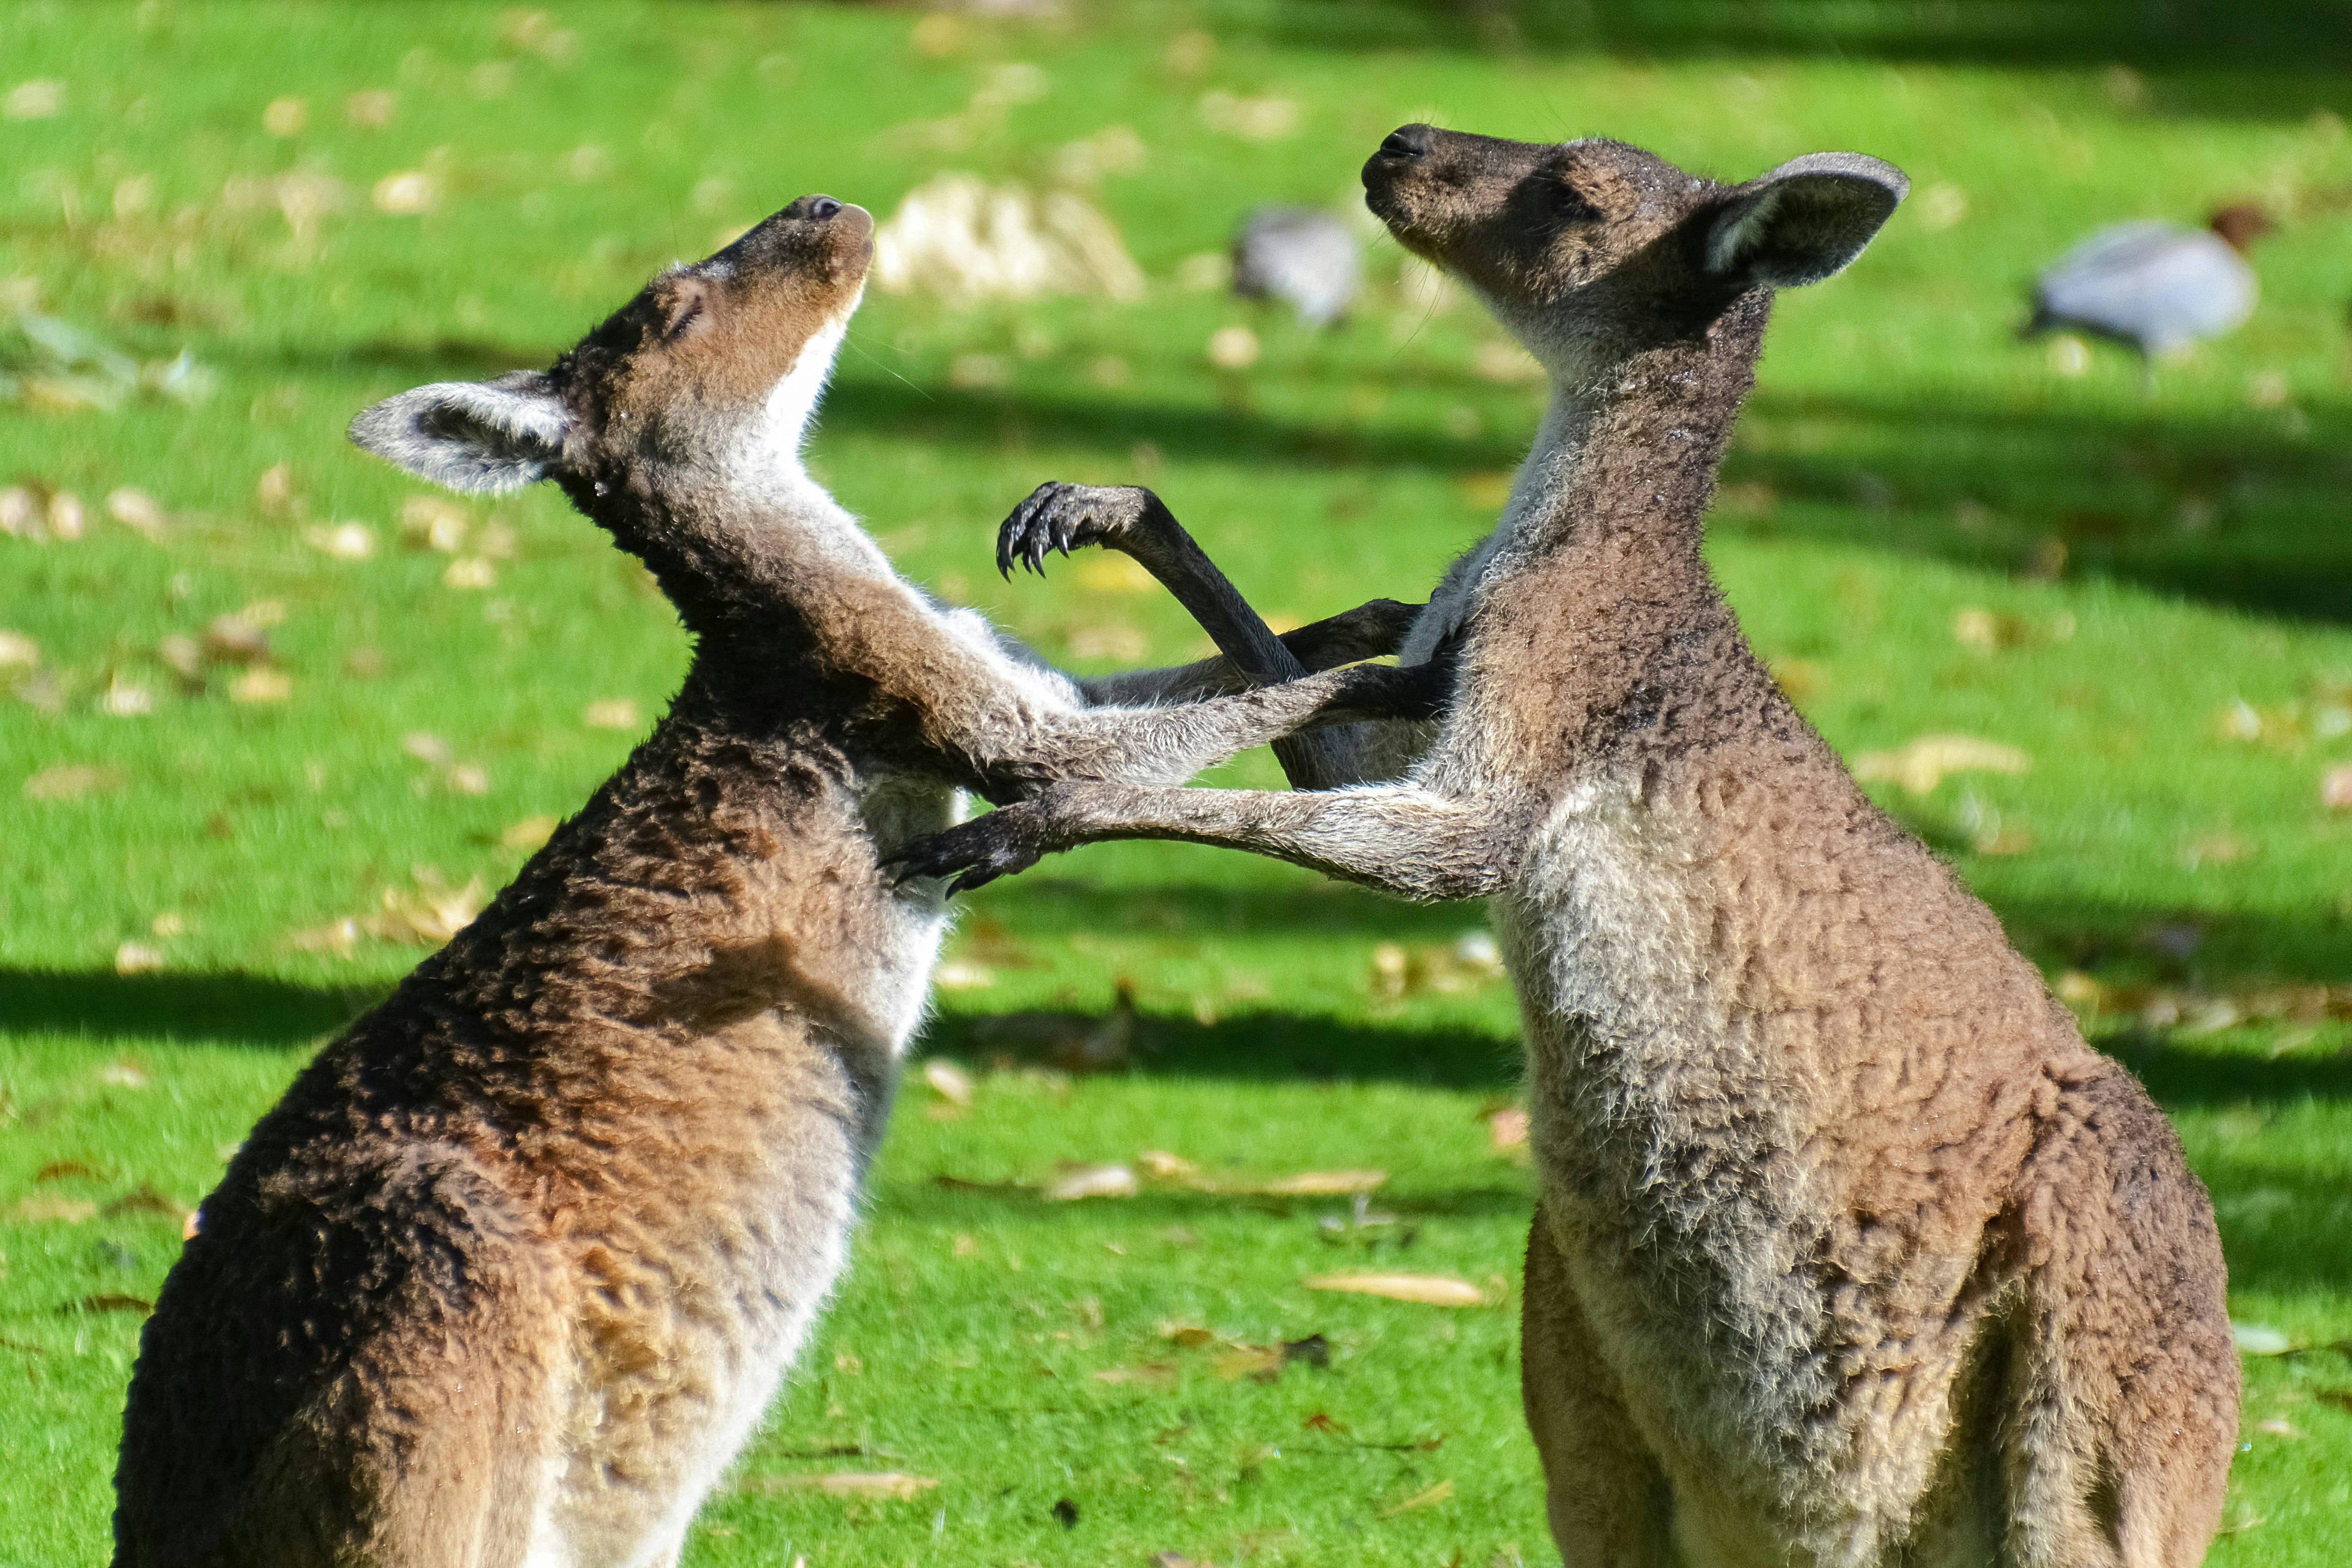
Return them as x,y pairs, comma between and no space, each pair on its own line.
1406,142
822,207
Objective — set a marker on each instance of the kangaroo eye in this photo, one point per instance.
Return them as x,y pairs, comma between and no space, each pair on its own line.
681,316
1570,204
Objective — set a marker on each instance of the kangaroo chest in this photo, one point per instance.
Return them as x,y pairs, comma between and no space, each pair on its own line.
1667,1138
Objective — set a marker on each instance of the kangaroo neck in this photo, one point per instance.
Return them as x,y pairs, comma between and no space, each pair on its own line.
1624,464
766,561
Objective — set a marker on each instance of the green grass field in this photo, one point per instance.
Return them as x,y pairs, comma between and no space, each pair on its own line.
207,866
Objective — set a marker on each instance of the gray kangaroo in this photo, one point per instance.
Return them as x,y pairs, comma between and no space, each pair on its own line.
1848,1251
510,1273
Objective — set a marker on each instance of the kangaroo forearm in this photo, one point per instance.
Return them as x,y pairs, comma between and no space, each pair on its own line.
1401,839
1371,630
1165,549
1168,745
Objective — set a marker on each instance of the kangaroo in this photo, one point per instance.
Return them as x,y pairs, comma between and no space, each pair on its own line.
1848,1250
509,1274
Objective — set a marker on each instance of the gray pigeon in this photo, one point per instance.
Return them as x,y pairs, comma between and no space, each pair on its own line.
2154,286
1304,256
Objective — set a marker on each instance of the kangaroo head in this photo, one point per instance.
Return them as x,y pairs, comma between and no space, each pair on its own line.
715,366
1592,250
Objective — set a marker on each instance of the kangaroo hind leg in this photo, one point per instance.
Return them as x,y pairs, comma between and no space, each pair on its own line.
2123,1412
1606,1497
433,1443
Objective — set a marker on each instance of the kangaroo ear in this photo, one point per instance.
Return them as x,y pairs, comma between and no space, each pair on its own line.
470,435
1803,221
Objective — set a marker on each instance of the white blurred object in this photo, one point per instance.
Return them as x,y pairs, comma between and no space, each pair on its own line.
2153,286
1304,256
961,237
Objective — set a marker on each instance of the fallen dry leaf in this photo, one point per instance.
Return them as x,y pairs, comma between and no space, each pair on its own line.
612,714
1428,1290
1259,1364
844,1484
261,684
144,1199
433,522
528,834
236,639
1506,1127
43,97
469,571
1186,1336
342,540
125,698
433,911
44,1207
950,1082
1920,766
1092,1182
111,1301
19,651
1159,1373
137,510
337,937
138,958
69,780
1430,1499
962,974
405,193
1233,348
427,748
371,109
2336,788
1319,1185
1161,1166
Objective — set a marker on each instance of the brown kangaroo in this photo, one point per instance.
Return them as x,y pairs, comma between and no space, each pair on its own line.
509,1274
1848,1250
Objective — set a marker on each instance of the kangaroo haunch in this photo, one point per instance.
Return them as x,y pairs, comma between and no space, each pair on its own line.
511,1271
1848,1250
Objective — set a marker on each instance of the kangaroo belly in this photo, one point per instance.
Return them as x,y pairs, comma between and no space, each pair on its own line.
1790,1378
698,1283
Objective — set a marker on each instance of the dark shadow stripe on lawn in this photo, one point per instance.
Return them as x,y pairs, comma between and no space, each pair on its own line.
2296,40
922,1200
228,1007
1257,1048
1043,907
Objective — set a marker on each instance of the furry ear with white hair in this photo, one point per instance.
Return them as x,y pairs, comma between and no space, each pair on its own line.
483,436
1803,221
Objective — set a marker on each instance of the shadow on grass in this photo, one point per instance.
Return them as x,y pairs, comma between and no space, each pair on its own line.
2232,509
2228,509
925,1199
2298,37
228,1007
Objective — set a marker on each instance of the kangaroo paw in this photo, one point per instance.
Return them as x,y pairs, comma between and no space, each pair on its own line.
975,853
1067,517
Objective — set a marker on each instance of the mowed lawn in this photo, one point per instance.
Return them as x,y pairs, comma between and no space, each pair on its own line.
262,741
